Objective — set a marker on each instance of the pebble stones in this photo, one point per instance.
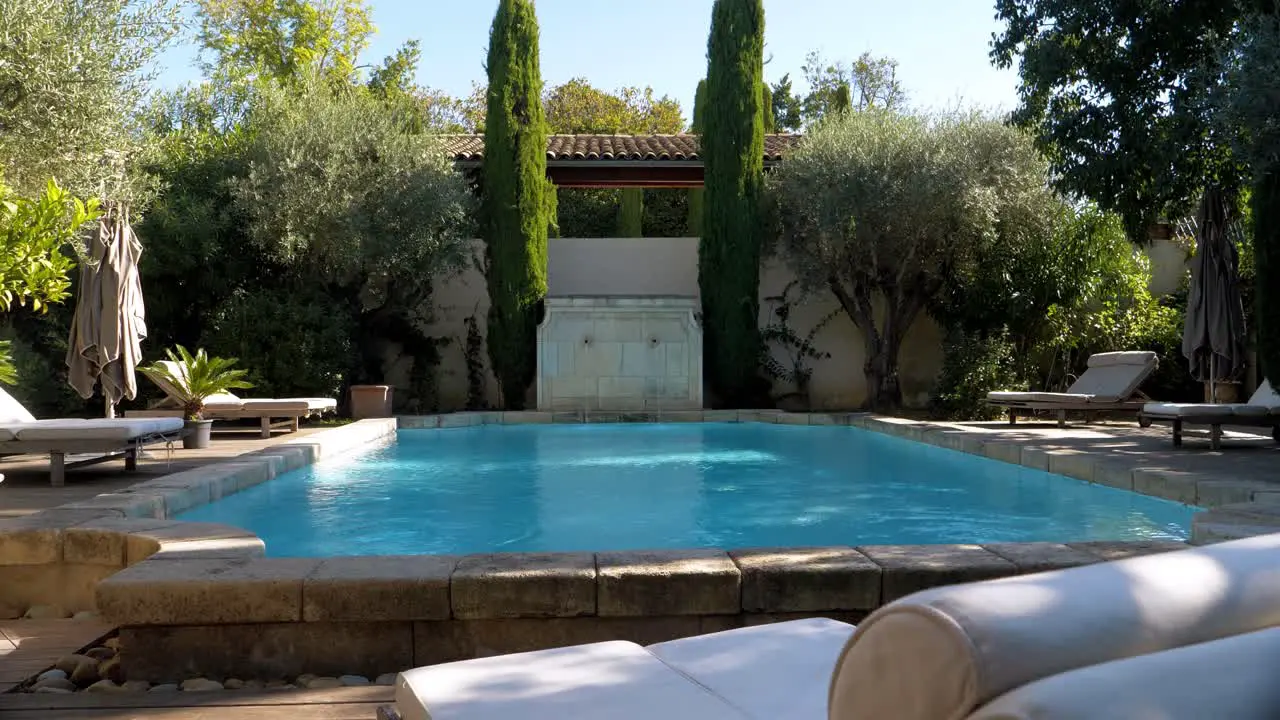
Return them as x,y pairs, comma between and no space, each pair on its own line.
200,685
353,680
323,683
386,679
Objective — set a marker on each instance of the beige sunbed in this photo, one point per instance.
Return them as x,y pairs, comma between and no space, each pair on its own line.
1262,410
102,438
1183,635
226,406
1110,383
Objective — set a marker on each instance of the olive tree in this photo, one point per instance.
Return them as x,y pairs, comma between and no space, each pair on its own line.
881,208
341,198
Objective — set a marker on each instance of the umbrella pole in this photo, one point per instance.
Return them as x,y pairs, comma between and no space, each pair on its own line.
1213,378
110,410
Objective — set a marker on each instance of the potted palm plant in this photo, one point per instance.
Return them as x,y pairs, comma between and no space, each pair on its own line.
192,379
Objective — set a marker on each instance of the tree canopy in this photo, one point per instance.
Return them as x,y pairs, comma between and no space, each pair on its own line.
891,205
73,76
1120,96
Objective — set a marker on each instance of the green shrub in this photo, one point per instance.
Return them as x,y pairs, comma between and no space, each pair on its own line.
972,367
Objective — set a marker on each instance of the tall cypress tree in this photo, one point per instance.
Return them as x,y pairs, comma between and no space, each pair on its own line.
695,194
516,198
733,153
766,107
631,213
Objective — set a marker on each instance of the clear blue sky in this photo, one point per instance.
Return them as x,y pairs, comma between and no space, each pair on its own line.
941,45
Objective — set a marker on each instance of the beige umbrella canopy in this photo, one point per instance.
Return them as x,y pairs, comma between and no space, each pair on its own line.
110,321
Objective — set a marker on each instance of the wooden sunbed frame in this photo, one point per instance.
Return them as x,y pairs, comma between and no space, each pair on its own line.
1215,421
58,450
290,423
1061,409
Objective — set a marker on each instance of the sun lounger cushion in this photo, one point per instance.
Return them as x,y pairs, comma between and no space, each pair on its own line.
944,652
1264,402
1111,378
1041,397
781,670
72,430
616,680
1233,678
281,407
12,411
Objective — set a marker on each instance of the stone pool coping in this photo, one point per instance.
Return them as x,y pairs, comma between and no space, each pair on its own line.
205,595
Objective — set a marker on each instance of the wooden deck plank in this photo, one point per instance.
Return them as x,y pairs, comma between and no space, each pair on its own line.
370,694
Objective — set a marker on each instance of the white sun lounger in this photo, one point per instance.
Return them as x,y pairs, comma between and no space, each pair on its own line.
1110,383
103,438
227,406
1262,410
1094,641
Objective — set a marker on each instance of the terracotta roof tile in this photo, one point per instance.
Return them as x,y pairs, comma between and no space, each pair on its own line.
677,148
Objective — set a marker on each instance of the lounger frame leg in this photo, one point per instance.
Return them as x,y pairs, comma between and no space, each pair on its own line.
1177,432
1275,433
1013,416
1215,437
1062,418
57,469
294,424
266,428
131,459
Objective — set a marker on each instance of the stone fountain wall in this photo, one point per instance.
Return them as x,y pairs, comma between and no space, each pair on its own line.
620,354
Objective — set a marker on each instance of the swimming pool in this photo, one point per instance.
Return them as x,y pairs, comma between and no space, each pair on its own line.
524,488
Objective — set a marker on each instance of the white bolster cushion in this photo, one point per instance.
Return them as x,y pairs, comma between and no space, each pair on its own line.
944,652
1230,678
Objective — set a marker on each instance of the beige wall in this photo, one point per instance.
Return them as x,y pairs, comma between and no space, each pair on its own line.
669,266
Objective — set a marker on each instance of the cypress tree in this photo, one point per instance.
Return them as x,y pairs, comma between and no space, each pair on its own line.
766,106
733,153
695,194
516,199
631,213
843,101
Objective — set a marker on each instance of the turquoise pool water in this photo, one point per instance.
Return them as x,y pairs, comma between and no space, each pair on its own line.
640,486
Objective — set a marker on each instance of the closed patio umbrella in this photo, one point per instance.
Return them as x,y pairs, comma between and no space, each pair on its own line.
1213,338
110,320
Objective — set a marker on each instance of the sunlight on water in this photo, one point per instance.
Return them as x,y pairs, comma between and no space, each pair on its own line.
637,486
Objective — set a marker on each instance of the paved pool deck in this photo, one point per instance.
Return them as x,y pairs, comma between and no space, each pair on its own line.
25,488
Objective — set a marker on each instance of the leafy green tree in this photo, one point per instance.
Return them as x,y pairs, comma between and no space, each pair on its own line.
788,110
1251,98
515,198
35,268
1119,97
284,39
336,194
883,207
868,82
732,147
73,76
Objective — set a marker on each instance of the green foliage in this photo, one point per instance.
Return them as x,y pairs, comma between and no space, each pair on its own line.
1266,254
284,39
34,236
473,355
515,198
631,213
73,76
1120,97
799,350
8,370
788,108
766,107
334,185
878,204
1057,293
194,378
576,107
864,84
696,196
295,339
732,146
973,366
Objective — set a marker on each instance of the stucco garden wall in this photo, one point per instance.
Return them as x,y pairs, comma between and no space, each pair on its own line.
669,266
